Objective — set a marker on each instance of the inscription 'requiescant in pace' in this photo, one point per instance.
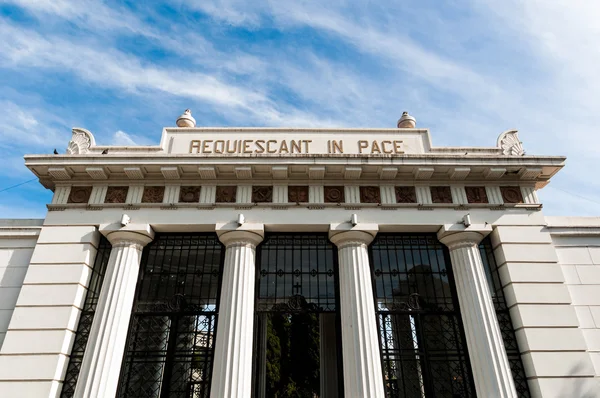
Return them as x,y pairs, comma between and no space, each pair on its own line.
290,147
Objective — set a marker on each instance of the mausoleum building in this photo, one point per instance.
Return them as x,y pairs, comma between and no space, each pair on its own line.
297,262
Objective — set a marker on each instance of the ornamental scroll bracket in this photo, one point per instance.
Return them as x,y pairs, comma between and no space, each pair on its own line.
510,144
81,142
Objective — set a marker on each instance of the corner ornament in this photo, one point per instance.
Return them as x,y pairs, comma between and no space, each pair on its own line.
510,144
81,142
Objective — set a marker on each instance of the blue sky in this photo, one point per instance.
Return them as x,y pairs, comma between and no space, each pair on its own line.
468,70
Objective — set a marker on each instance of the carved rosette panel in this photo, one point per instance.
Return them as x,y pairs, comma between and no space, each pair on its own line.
441,195
189,195
298,194
153,194
476,195
226,194
334,194
511,194
116,194
406,195
262,194
370,195
79,194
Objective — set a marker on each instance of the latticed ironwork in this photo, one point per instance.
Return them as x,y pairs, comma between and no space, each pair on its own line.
504,320
423,347
169,350
296,272
296,304
86,318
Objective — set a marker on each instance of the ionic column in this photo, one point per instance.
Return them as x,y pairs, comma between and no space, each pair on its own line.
360,344
491,369
232,370
101,364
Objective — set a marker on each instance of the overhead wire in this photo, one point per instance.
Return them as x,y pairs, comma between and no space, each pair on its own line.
18,185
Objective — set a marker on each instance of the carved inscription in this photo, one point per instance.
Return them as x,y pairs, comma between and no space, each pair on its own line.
79,194
226,194
511,194
291,147
262,194
189,195
370,195
298,194
334,194
406,195
441,195
153,194
116,194
476,195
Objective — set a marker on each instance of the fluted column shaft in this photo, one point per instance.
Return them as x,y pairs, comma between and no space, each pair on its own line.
232,370
360,343
99,375
491,369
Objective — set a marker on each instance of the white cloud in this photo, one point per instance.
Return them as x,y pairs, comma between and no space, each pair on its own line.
121,138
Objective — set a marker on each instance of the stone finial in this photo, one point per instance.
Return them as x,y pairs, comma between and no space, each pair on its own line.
510,144
407,121
186,119
81,142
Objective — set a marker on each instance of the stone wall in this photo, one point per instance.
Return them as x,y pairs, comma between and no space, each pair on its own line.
17,241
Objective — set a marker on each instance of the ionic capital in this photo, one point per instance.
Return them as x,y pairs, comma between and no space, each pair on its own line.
246,234
455,236
129,235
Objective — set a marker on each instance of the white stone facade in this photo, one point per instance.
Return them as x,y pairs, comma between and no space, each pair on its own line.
549,267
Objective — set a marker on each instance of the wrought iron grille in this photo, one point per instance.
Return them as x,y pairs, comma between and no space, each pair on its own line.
504,320
86,318
296,273
169,350
296,317
423,347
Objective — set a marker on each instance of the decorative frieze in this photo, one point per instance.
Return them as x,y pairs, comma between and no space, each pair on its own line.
370,195
79,194
189,194
116,194
441,194
262,194
476,195
406,195
511,194
153,194
334,194
226,194
298,194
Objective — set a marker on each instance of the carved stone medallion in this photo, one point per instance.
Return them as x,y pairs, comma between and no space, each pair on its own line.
189,194
116,194
262,194
406,195
370,195
298,194
511,194
476,195
441,195
79,194
334,194
153,194
226,194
